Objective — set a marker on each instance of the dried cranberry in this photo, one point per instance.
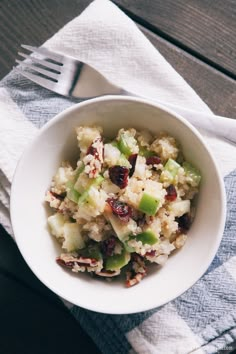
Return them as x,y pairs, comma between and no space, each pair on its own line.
93,151
119,175
132,161
108,246
150,253
121,209
184,222
153,160
171,193
59,196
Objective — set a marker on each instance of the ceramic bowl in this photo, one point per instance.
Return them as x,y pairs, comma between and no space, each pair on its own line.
55,142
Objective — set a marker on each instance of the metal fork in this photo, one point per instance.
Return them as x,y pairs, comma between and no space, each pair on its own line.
70,77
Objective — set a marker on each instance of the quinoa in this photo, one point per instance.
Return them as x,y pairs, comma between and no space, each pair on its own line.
127,203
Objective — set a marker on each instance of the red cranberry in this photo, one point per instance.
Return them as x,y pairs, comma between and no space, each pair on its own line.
119,208
58,196
184,222
171,193
93,150
150,253
119,175
108,246
153,160
132,161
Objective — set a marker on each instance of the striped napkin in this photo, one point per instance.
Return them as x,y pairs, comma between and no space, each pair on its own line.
203,319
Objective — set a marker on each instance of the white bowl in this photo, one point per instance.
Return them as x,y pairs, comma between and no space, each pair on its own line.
55,142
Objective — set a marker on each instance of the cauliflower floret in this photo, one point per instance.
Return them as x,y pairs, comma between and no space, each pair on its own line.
165,146
144,138
111,154
63,175
141,171
96,228
128,136
94,205
86,135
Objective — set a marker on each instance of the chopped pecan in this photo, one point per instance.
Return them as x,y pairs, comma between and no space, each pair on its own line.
108,273
133,279
53,199
137,272
70,261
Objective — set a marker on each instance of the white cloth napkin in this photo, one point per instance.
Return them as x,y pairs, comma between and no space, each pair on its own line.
107,39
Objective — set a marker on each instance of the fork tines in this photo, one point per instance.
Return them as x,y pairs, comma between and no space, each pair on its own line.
49,69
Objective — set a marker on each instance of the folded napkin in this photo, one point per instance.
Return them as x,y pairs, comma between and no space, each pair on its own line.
203,319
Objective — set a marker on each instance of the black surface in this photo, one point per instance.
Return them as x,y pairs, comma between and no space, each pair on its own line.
32,319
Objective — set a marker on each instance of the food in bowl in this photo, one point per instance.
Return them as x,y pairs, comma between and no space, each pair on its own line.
126,204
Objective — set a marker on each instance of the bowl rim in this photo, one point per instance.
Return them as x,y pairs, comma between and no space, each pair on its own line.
62,115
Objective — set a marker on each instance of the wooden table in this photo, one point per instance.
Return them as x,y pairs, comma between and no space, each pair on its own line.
198,39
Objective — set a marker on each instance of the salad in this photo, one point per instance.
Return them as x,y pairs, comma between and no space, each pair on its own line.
127,204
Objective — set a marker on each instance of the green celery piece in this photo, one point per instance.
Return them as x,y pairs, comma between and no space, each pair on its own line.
192,172
73,195
79,171
123,146
147,237
94,183
91,251
172,166
70,184
128,248
148,204
115,144
146,153
117,261
123,161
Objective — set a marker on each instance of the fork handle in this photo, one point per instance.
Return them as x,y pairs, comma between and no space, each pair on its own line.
217,125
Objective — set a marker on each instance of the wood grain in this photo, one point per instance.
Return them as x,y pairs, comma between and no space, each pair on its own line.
33,22
204,28
215,88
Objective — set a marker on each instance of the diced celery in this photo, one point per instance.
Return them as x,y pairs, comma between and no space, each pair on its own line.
170,171
78,171
73,195
123,161
146,153
147,237
126,142
192,172
117,261
172,166
148,204
91,251
128,248
94,183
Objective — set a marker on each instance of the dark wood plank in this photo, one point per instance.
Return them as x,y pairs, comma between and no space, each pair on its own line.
46,17
215,88
205,28
32,22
